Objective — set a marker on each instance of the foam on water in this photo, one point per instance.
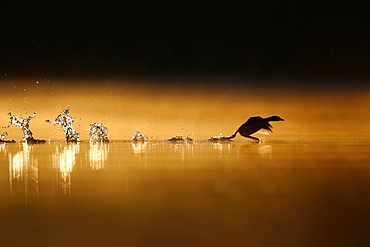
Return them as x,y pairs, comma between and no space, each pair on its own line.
66,121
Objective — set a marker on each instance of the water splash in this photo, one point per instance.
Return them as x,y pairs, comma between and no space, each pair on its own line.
23,123
189,139
2,136
98,132
176,139
220,138
3,139
66,121
180,139
138,137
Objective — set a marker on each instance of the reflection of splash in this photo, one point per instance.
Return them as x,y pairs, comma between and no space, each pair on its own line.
23,123
65,160
184,149
222,146
98,155
21,163
66,121
139,147
23,169
98,132
139,152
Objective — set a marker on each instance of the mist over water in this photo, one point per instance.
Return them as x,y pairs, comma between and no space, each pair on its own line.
163,110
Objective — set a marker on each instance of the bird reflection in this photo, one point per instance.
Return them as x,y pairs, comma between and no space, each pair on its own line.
98,155
65,160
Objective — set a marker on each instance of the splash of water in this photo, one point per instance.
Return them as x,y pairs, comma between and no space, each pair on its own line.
175,139
220,138
66,121
23,123
138,137
180,139
3,139
98,132
189,139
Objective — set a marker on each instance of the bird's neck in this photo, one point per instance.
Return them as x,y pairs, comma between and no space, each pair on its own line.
273,118
269,119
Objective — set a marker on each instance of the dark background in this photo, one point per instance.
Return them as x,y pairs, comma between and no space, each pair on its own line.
183,39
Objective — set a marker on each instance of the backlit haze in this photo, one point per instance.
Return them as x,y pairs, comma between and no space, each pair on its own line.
201,110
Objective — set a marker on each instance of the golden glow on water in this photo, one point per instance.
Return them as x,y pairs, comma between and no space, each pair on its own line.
206,194
19,162
305,185
98,155
64,160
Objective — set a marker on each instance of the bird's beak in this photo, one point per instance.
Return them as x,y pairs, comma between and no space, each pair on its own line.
282,119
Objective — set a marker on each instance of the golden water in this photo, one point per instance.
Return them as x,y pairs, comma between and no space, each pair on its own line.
308,184
194,194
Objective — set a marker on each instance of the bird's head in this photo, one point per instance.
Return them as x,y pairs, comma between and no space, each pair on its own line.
274,118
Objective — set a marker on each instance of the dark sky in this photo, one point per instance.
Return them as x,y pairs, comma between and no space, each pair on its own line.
253,39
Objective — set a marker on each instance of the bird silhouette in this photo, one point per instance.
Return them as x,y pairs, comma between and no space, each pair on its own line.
255,124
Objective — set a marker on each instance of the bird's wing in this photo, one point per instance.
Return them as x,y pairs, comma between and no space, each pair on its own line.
265,131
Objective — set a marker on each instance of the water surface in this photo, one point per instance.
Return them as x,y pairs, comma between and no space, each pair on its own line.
291,192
